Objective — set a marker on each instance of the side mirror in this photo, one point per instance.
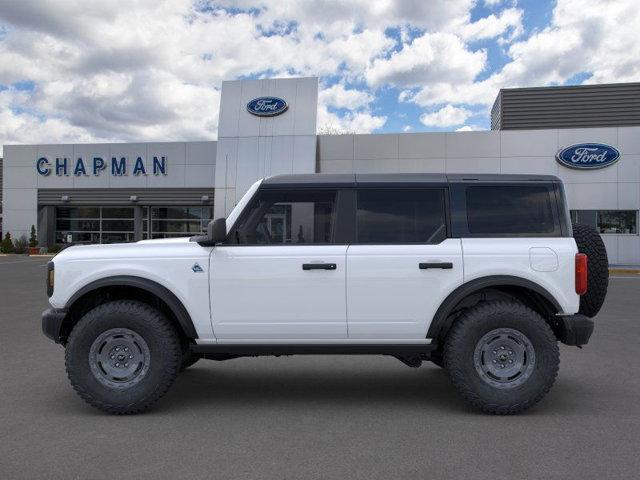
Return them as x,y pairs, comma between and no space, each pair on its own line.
217,230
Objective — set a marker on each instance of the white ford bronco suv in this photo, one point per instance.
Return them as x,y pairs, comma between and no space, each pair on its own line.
479,274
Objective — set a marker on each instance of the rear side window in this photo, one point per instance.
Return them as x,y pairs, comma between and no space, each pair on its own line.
511,209
401,216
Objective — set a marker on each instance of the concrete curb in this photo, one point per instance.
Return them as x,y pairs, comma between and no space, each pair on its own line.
625,271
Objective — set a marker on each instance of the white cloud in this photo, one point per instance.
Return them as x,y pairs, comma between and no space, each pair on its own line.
432,57
338,96
469,128
407,128
583,37
447,116
351,122
358,118
509,20
152,70
493,3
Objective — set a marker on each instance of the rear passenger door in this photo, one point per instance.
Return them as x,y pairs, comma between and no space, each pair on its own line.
402,264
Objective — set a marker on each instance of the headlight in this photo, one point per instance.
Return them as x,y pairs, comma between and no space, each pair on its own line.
50,278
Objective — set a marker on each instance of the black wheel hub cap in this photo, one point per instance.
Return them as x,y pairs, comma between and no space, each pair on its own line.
504,358
119,358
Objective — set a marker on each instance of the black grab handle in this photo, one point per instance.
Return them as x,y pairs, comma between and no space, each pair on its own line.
443,265
319,266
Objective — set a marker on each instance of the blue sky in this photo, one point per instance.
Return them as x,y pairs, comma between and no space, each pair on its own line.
77,71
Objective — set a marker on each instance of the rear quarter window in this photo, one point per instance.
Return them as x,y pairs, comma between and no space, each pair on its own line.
510,209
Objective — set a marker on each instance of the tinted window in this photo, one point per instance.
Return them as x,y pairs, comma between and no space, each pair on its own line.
509,209
401,216
288,217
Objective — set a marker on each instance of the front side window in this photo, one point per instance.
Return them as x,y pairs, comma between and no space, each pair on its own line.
401,216
512,209
278,217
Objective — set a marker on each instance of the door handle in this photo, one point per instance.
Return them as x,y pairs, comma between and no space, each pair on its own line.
442,265
319,266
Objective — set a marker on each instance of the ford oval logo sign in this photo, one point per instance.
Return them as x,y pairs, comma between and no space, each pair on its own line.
267,106
588,156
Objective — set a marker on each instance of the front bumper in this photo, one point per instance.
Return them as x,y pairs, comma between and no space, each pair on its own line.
574,330
52,319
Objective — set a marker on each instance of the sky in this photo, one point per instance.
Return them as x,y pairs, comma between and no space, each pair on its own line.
76,71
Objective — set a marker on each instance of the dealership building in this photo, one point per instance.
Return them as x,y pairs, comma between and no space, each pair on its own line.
589,136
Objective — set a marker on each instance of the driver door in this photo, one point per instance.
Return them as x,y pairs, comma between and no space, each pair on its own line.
280,275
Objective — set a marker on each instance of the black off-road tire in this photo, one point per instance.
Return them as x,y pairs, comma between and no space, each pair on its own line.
437,358
590,243
188,359
469,331
162,346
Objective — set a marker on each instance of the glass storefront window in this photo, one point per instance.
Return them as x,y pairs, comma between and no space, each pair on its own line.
621,222
167,222
617,221
116,224
94,224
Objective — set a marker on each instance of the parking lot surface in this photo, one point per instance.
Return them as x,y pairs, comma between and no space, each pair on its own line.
316,417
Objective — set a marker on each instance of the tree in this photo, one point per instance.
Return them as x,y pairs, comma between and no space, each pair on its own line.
333,129
33,239
7,244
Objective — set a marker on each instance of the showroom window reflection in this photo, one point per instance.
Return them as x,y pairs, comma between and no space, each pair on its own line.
619,222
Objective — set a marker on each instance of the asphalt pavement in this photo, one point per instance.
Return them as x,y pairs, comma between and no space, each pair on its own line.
333,417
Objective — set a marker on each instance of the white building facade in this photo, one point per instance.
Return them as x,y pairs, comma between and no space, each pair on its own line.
91,193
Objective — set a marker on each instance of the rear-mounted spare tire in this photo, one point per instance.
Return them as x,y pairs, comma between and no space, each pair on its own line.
590,243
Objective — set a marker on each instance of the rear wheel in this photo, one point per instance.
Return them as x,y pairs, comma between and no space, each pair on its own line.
502,357
122,356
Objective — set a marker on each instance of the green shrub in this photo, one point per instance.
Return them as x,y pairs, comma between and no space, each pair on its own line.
54,248
21,244
7,244
33,239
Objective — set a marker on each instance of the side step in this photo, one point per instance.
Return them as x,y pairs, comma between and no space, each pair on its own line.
254,350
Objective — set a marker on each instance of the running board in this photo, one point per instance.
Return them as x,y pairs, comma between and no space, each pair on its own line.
255,350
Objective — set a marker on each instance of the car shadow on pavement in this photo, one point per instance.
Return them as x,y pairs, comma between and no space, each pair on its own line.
203,386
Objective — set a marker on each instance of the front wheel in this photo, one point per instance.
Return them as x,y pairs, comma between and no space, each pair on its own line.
502,357
122,356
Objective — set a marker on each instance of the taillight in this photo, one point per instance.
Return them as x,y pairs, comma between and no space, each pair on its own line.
581,273
50,278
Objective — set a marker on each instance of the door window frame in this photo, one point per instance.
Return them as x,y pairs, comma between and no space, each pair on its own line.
341,200
444,190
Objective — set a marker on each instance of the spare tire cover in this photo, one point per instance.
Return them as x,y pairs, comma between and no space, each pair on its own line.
590,243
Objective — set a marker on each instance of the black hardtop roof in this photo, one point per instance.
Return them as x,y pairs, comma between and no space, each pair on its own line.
368,179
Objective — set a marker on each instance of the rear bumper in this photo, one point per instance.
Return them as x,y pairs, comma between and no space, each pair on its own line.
52,319
574,330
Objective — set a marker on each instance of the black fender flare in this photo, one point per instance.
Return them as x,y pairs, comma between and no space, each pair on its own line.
439,322
154,288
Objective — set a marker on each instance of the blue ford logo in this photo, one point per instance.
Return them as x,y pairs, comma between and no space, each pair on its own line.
267,106
588,156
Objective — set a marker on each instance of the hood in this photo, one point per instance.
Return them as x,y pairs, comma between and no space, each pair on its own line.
166,240
160,248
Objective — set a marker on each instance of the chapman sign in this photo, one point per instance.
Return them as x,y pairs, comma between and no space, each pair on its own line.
117,166
267,106
588,156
